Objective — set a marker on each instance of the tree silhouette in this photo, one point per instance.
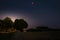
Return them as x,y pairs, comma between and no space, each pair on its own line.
19,24
8,23
1,24
42,28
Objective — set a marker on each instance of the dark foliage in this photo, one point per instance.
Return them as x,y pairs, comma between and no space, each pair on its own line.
8,23
33,30
19,24
38,29
1,24
42,28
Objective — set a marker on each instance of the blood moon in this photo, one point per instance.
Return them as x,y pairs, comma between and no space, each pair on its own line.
33,3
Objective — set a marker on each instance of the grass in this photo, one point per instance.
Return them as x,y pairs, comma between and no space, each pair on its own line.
26,36
54,35
51,35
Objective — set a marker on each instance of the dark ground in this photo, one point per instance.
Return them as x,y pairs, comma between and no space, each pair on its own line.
51,35
54,35
24,36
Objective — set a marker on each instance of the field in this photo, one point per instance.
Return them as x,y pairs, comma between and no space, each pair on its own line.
54,35
51,35
35,36
25,36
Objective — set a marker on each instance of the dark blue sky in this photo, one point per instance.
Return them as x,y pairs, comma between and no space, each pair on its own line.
43,12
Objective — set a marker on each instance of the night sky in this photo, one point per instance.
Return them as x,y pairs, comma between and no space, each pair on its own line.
35,12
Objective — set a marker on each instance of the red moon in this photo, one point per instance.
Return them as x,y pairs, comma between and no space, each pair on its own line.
32,3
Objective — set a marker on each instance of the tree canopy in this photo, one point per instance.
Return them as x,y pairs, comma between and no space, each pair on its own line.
8,22
19,24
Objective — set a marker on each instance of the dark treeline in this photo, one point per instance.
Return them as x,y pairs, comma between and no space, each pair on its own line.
7,23
20,24
39,29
